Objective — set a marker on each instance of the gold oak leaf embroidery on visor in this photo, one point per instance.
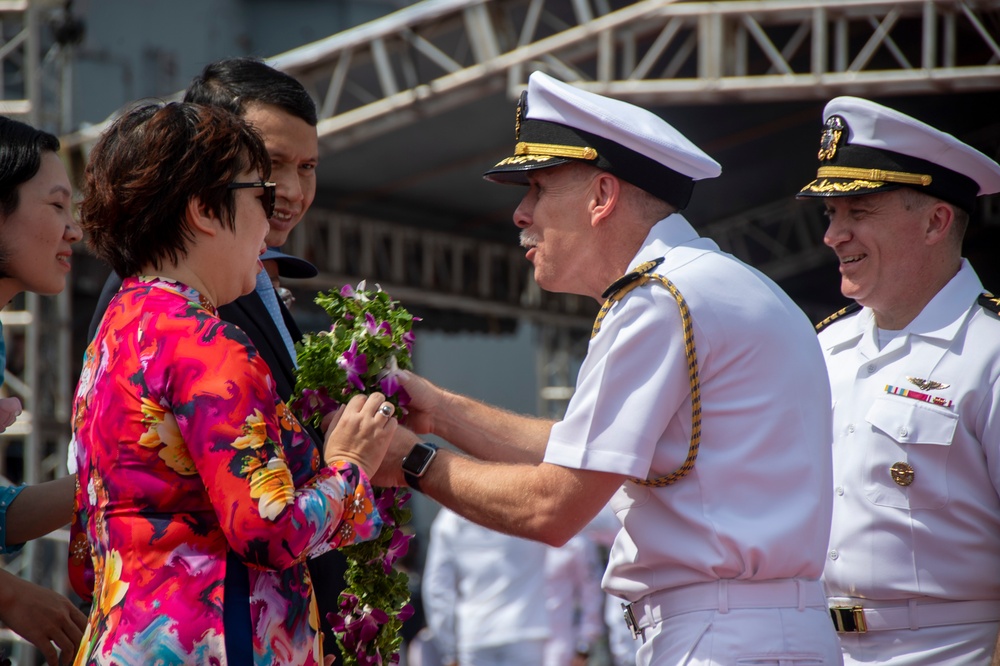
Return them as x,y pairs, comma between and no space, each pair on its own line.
825,185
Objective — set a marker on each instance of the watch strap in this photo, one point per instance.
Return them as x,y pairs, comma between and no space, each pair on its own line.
412,481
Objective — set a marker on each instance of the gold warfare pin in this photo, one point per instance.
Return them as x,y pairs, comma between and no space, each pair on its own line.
902,473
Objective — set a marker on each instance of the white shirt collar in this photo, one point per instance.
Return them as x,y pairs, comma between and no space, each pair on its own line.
941,317
665,235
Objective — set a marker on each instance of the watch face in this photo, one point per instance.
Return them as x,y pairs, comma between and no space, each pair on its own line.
419,457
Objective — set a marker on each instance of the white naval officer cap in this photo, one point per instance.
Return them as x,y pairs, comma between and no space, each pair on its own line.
867,148
556,123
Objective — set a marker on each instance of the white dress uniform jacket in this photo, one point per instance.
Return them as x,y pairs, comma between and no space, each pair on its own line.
757,505
933,534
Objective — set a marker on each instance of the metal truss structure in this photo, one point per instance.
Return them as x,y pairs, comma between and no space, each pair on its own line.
439,54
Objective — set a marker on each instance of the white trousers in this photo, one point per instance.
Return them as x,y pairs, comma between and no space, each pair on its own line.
956,645
522,652
743,637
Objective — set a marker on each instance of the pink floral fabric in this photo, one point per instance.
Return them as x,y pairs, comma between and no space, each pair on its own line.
184,451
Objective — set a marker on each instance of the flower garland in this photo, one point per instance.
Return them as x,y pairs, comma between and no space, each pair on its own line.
367,346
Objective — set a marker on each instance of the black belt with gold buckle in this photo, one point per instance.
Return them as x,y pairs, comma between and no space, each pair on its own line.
631,622
849,619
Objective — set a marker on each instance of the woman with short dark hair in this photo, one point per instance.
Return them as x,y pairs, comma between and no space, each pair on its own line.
200,495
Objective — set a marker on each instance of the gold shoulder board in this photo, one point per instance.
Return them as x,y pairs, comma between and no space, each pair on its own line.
990,302
850,309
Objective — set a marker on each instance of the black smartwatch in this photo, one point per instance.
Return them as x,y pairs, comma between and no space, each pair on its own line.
417,461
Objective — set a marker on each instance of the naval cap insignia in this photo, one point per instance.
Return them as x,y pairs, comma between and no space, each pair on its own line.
830,139
522,108
902,473
927,384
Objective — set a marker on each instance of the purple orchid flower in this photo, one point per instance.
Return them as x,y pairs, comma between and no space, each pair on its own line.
350,640
403,398
336,622
364,659
369,623
376,329
357,293
315,401
389,386
389,378
398,545
385,499
405,613
348,602
354,364
408,339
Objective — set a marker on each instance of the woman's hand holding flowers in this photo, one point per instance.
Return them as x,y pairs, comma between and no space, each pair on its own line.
360,433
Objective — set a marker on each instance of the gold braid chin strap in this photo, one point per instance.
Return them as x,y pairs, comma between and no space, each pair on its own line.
637,278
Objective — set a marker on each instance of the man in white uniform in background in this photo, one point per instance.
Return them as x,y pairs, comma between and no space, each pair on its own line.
913,569
686,409
574,600
484,595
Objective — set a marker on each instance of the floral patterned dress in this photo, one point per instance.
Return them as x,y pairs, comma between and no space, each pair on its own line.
185,452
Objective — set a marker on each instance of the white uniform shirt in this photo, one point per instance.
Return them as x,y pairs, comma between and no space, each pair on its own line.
482,588
940,535
757,504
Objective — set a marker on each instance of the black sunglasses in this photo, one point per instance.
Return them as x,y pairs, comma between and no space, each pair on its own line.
267,199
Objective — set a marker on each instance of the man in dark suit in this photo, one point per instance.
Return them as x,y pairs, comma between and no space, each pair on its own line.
281,110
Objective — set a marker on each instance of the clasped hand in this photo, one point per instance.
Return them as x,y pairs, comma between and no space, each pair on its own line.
359,432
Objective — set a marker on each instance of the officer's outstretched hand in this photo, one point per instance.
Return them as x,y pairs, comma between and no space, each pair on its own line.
425,399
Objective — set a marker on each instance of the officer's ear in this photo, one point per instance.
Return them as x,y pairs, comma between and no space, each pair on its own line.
606,192
940,218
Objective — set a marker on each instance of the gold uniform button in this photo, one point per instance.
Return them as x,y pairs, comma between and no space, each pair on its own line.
902,473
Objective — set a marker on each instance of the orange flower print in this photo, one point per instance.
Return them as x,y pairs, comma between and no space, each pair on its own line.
254,432
287,419
273,487
79,549
113,589
357,507
346,533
